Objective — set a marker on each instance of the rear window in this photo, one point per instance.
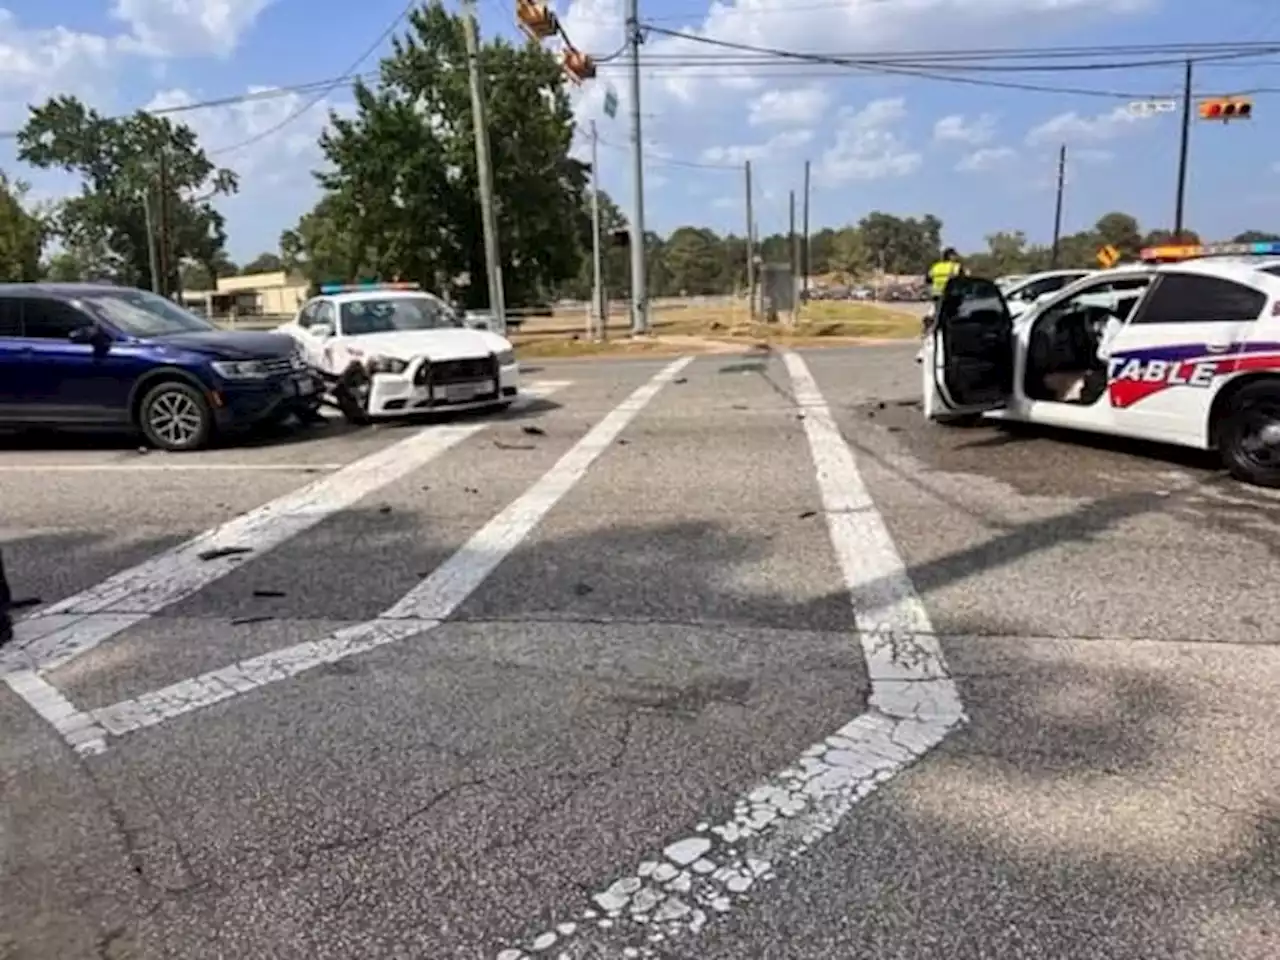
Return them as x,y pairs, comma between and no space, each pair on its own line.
1274,270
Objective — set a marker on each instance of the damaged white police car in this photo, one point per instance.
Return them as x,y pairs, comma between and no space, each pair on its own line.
389,350
1181,349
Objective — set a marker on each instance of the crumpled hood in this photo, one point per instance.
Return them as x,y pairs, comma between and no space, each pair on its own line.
453,344
231,344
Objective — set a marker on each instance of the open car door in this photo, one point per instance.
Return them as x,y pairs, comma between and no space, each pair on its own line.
969,357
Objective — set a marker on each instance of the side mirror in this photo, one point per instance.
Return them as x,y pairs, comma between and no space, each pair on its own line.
322,330
83,335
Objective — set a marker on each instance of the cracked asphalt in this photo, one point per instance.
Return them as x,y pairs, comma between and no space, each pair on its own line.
674,632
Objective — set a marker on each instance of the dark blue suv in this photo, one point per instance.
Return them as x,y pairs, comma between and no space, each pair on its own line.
95,355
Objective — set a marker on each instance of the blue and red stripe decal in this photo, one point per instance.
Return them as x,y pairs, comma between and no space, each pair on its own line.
1134,375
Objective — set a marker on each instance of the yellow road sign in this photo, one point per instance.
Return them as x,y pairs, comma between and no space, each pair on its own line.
1108,256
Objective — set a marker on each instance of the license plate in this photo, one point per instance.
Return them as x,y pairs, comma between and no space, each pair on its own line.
461,392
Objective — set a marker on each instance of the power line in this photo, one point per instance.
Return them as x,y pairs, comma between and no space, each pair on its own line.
671,162
880,64
324,91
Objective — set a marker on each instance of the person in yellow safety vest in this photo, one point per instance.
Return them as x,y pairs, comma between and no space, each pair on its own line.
939,272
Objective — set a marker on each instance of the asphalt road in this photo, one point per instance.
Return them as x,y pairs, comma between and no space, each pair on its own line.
624,674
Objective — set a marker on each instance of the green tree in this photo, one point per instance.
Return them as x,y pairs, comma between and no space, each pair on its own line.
694,258
263,263
119,163
1121,231
402,180
1255,236
22,234
1159,238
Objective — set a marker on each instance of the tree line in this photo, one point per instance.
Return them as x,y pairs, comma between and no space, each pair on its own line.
398,198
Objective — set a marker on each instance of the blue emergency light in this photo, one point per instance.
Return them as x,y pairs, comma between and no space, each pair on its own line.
368,285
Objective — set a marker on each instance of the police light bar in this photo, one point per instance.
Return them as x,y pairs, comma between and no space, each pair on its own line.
368,285
1267,249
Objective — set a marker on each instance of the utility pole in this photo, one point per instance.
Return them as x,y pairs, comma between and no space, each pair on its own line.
751,251
804,249
600,305
639,283
791,237
1182,154
492,255
153,255
1057,209
163,204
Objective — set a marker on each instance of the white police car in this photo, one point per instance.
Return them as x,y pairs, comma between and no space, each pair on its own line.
387,350
1183,348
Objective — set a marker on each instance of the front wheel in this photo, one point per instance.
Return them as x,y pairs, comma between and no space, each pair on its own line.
1249,439
175,416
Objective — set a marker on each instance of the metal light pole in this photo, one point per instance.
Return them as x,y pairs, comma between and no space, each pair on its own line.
599,302
639,282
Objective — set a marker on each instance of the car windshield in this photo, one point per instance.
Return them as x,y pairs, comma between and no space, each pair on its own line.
142,314
393,314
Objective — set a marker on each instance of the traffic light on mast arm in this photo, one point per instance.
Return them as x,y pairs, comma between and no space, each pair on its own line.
536,20
1226,108
578,65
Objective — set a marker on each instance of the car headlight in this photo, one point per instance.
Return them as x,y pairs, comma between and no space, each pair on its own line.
241,369
506,358
385,365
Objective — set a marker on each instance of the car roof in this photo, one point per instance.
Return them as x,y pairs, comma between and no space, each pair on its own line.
352,296
69,290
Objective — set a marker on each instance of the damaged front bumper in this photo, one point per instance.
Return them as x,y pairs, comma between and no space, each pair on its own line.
427,386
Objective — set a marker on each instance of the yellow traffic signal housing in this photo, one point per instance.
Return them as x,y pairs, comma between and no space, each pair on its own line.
536,20
1226,108
578,65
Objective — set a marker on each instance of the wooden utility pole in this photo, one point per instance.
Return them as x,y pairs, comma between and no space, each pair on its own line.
1057,207
1180,202
163,238
804,243
751,251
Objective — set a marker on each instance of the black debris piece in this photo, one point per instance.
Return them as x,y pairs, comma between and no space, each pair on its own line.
242,621
269,594
623,443
740,406
533,431
583,589
219,552
808,513
880,405
681,380
470,490
384,509
21,603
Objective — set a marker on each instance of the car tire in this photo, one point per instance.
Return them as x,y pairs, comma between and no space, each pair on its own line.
176,417
1245,454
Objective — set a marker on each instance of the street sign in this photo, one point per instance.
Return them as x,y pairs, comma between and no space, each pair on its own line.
610,103
1108,256
1145,108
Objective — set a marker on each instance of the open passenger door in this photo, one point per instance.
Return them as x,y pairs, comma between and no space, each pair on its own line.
969,355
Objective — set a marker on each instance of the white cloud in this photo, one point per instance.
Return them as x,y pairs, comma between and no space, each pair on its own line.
170,28
38,63
987,159
954,129
799,107
1071,127
1090,155
736,155
866,147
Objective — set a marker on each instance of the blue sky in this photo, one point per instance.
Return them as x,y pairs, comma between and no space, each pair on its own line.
981,159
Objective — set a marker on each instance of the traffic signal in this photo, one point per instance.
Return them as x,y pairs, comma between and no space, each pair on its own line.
1226,109
578,65
536,20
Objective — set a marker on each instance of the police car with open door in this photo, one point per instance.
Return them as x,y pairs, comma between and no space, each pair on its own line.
1182,348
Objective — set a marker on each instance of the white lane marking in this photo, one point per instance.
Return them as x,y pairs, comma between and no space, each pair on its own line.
421,609
167,467
78,729
70,628
913,705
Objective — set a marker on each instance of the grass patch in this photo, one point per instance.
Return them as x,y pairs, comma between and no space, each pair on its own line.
817,321
552,347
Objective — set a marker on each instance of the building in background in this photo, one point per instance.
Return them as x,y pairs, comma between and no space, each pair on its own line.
252,295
